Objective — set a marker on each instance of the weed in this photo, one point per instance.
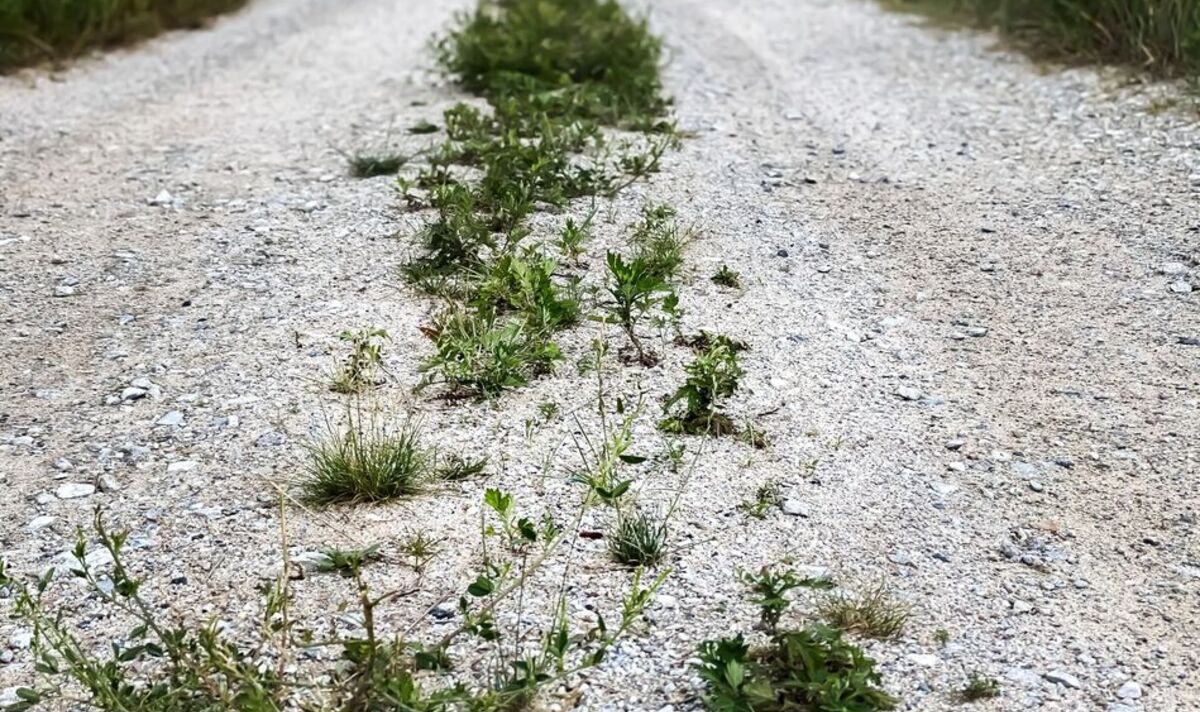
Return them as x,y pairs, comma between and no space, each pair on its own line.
637,538
483,357
524,283
753,436
941,636
366,463
368,165
548,410
364,363
711,378
573,236
348,562
160,667
704,341
659,241
768,496
979,687
770,588
810,669
872,613
726,277
423,127
457,468
635,290
419,550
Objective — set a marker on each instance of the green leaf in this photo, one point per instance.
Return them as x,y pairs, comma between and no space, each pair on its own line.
632,459
483,586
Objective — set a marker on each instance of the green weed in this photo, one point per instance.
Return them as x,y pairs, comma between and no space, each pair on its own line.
349,562
483,357
766,497
979,687
711,379
635,289
369,165
726,277
659,241
364,363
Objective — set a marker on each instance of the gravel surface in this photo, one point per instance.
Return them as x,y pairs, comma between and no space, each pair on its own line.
971,292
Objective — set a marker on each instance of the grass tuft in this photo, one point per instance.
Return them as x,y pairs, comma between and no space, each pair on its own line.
365,462
637,539
871,613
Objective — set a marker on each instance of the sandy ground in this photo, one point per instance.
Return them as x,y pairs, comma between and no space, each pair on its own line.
971,290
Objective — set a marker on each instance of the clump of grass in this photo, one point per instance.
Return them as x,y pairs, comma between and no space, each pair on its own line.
370,165
711,379
482,357
573,236
726,277
1160,36
979,687
941,636
871,613
637,538
419,550
365,462
40,30
582,59
362,366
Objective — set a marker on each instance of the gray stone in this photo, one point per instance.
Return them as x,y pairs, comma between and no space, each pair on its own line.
1061,677
794,507
174,418
62,464
132,394
270,438
1172,268
1023,676
923,659
1181,286
1131,690
64,290
74,490
908,393
39,523
182,466
108,483
977,331
955,444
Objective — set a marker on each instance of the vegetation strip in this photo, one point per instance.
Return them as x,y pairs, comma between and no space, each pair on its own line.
1160,36
41,30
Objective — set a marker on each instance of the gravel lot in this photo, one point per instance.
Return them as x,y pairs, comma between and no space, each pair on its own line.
971,289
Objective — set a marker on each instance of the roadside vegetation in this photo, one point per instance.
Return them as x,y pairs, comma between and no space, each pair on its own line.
33,31
1159,36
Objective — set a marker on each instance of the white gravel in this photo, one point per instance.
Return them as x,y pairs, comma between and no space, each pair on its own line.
961,288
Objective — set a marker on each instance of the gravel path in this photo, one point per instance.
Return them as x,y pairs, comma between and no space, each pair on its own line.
972,292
